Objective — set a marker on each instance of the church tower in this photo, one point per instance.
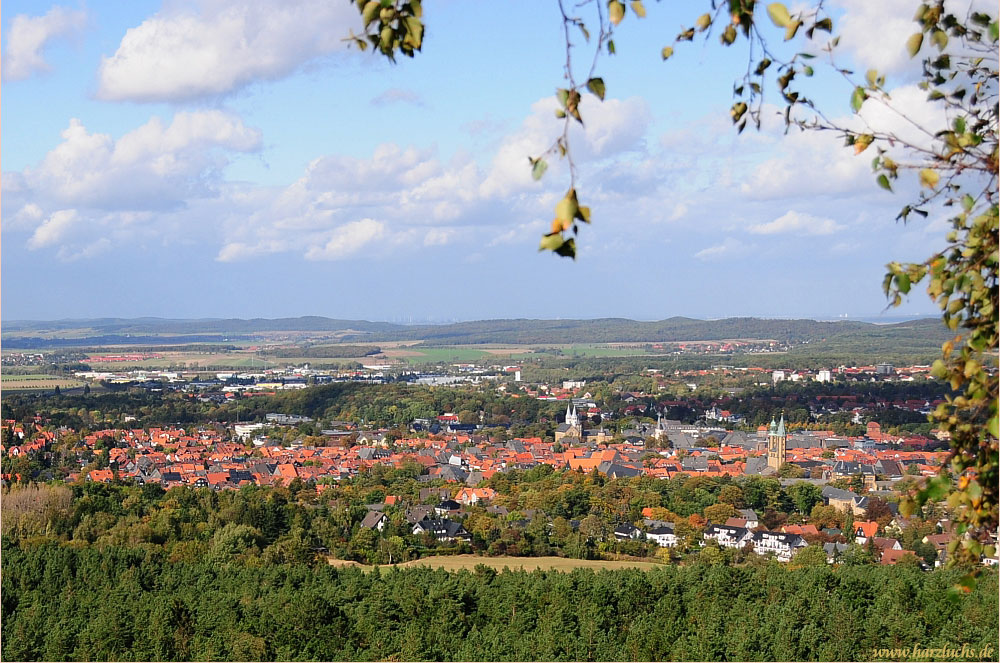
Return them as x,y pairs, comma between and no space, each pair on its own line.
572,418
776,439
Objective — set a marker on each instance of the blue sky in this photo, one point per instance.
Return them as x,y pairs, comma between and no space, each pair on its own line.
214,158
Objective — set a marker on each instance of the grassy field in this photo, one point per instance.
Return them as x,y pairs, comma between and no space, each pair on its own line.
445,354
466,354
469,562
38,382
190,360
602,351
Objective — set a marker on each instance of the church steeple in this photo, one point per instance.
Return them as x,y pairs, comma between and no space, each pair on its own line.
776,439
572,418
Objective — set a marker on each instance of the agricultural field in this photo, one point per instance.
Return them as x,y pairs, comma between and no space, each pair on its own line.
445,354
38,382
470,562
186,360
460,353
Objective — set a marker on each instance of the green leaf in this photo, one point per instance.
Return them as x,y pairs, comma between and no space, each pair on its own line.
667,52
567,249
779,14
914,43
737,111
936,489
857,98
883,182
414,32
369,12
567,208
960,125
551,242
638,8
994,31
968,202
563,96
611,47
929,178
940,39
538,168
862,142
596,85
903,283
616,11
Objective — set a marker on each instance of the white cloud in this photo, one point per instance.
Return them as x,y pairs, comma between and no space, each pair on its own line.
438,236
875,33
611,127
233,251
348,240
52,229
728,247
420,200
798,223
92,187
796,159
88,250
28,36
151,167
212,47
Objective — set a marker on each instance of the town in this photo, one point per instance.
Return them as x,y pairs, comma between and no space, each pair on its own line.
454,482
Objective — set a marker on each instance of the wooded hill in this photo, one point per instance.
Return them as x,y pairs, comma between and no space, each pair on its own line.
921,333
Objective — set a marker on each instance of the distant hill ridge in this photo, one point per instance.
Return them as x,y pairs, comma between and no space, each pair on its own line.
515,331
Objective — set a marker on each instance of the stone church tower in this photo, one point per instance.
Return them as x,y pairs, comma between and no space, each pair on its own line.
776,439
572,426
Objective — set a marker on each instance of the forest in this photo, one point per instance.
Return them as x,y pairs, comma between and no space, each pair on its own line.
116,603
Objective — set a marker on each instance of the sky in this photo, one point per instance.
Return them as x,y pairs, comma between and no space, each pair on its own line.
218,158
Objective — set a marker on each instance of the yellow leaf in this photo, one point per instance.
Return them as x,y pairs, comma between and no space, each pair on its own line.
616,11
929,178
779,14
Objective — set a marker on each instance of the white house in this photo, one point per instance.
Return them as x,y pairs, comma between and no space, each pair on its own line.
781,544
727,536
664,536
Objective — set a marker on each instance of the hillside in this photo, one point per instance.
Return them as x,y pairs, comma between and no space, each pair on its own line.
846,335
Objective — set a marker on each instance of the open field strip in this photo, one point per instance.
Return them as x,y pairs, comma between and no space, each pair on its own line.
42,382
469,562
